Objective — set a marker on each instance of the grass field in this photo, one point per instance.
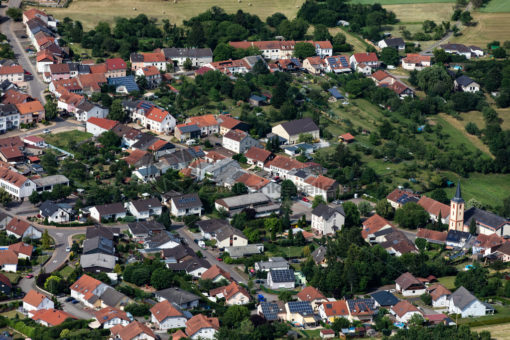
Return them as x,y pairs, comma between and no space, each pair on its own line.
460,126
66,271
448,282
397,2
357,42
63,139
419,12
489,27
90,12
495,6
498,332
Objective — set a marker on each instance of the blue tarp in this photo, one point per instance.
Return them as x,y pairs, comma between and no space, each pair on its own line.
334,92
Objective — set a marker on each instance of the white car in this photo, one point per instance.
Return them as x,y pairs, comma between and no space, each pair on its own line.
68,249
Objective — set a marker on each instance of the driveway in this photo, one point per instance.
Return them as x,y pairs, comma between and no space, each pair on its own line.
79,310
181,230
8,27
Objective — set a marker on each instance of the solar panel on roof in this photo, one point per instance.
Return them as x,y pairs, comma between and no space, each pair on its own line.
344,62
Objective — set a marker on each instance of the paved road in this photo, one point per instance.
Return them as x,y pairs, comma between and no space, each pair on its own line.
211,258
36,86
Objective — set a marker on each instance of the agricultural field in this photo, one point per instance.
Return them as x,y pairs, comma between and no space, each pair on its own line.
357,42
417,13
497,6
498,332
489,27
90,12
400,2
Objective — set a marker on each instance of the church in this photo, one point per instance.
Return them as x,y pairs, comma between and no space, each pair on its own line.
487,223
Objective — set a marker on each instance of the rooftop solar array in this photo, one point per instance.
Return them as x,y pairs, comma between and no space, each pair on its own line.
284,275
270,310
301,307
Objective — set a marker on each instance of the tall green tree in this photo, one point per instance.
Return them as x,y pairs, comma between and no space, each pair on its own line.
411,216
304,50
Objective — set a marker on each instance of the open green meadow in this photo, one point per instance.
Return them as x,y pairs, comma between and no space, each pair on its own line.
399,2
497,6
64,139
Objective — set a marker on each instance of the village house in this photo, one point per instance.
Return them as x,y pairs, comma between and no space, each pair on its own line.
116,67
432,236
384,298
143,229
9,117
487,244
22,229
133,331
463,50
14,74
314,65
97,126
290,131
362,309
181,298
300,313
396,43
466,304
98,262
35,301
331,310
239,141
404,311
408,285
272,311
233,294
88,290
145,208
202,327
5,285
8,260
337,64
466,84
398,197
31,112
113,211
276,49
56,212
259,202
141,60
198,56
207,124
439,294
258,156
51,317
165,316
435,209
369,59
277,279
374,225
108,317
185,132
415,61
487,223
151,74
186,205
327,220
216,274
312,295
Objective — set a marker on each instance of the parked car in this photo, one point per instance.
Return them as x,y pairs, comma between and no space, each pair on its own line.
75,302
304,199
219,259
29,276
46,131
69,299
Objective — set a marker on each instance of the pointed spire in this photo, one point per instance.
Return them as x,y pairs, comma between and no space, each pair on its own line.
458,197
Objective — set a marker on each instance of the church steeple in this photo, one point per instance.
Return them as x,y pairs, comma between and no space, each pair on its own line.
457,212
458,197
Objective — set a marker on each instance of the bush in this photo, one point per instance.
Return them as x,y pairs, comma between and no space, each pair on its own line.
472,129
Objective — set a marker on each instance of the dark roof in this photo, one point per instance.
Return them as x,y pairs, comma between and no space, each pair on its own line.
8,109
227,231
484,217
190,265
457,235
146,204
463,81
99,230
257,98
270,310
319,254
136,57
144,141
177,295
212,225
48,208
172,52
384,298
335,93
462,297
282,275
298,126
145,227
326,211
189,128
102,244
456,47
112,297
407,280
178,253
300,307
127,81
187,201
110,209
394,42
156,240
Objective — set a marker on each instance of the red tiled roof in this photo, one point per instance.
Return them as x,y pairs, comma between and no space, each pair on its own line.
203,121
310,293
213,272
228,122
236,135
157,145
415,58
373,224
230,291
108,313
30,107
380,75
163,310
104,123
258,154
7,256
214,156
45,54
52,317
22,248
13,69
179,335
403,307
203,70
152,57
34,298
199,322
489,241
16,225
434,207
71,84
336,308
11,153
397,193
135,156
321,182
85,285
92,81
156,114
432,234
366,57
150,71
131,331
115,64
5,280
252,181
33,13
99,68
347,137
286,163
437,290
15,97
59,69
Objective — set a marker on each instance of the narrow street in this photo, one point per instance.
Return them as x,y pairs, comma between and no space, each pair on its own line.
36,86
208,256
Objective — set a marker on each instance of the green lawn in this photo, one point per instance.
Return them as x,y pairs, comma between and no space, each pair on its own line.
448,282
502,315
400,2
66,271
497,6
294,251
79,237
42,258
62,140
13,277
12,313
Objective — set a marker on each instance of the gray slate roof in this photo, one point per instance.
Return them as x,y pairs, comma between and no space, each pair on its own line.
145,205
484,217
394,42
102,244
145,227
177,295
112,297
110,209
299,126
172,52
187,201
99,230
462,298
464,80
48,208
97,260
385,298
326,211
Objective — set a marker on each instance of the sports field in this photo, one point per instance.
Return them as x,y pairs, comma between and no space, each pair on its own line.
90,12
495,6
